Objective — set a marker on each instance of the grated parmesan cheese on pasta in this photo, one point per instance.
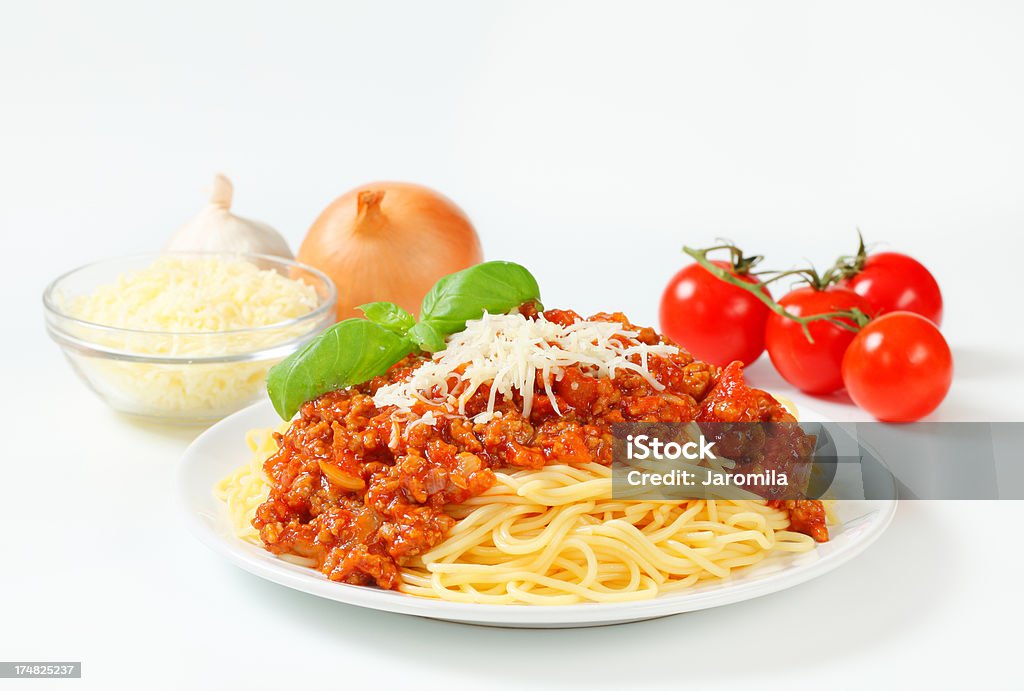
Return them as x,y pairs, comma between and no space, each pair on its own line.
510,352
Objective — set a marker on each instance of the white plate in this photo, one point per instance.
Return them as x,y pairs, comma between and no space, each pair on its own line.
222,448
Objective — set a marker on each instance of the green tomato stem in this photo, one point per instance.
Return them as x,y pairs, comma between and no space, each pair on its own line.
847,266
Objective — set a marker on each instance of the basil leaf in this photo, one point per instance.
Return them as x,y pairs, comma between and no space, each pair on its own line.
389,315
495,287
427,337
356,350
348,353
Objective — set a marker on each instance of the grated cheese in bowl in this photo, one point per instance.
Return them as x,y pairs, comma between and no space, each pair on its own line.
188,337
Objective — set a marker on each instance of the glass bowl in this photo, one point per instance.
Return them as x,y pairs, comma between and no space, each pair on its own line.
181,377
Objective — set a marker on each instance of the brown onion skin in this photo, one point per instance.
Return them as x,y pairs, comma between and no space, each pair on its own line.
389,241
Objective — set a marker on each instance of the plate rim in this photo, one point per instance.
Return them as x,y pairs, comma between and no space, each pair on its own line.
270,568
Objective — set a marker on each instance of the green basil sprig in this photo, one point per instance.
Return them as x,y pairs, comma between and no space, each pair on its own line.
495,287
390,316
356,350
331,361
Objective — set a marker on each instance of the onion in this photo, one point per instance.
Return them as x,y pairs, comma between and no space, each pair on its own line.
389,241
339,477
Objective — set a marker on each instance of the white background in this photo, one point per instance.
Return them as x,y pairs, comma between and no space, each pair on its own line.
588,142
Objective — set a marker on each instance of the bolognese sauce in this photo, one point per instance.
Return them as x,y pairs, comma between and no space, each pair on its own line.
361,489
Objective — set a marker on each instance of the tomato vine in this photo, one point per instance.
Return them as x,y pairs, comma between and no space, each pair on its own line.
850,320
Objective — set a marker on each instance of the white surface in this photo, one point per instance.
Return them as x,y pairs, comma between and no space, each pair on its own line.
221,449
614,133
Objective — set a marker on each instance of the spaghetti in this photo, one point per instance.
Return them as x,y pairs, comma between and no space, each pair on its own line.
509,509
554,536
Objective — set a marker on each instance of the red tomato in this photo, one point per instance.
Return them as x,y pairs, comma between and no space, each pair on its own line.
899,367
814,368
891,281
715,321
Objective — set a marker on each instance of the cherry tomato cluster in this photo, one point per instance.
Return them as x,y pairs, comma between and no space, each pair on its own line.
869,324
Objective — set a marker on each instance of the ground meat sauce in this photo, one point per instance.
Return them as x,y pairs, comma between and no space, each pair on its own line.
361,490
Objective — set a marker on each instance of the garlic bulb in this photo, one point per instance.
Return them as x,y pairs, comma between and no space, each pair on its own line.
216,229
